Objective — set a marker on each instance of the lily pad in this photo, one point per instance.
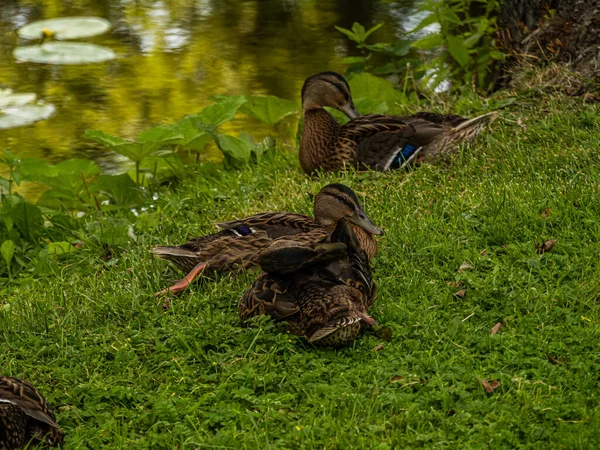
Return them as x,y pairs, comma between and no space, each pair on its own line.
18,116
64,53
66,28
17,110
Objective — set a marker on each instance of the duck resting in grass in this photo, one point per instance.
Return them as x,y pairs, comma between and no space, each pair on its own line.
239,243
322,290
373,141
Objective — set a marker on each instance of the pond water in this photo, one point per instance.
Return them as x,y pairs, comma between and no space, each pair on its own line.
173,56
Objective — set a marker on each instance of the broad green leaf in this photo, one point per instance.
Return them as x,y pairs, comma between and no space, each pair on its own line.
75,167
472,40
8,250
372,30
348,33
65,28
4,184
222,111
60,248
359,32
8,223
401,48
64,53
237,151
425,22
121,188
160,135
371,106
269,109
379,47
104,138
449,15
354,60
32,169
428,42
458,51
27,219
365,85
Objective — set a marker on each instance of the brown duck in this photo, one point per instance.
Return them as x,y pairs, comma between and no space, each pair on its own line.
25,416
322,290
372,141
238,245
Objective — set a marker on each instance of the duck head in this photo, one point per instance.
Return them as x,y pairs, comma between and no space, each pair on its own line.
335,202
328,89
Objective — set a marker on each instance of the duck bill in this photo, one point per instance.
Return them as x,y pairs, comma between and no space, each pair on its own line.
350,110
360,219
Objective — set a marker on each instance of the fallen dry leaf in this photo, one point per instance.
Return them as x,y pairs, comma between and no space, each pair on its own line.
396,379
556,360
78,244
461,293
546,212
489,386
129,270
546,246
495,328
464,266
455,284
377,348
483,253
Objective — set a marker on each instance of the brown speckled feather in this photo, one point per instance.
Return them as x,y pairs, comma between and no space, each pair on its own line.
25,415
326,302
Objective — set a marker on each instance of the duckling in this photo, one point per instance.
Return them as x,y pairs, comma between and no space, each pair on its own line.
238,245
372,141
322,290
25,416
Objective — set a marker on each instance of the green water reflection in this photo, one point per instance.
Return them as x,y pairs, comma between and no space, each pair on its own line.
173,55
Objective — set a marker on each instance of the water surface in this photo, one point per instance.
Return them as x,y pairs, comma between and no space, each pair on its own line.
173,56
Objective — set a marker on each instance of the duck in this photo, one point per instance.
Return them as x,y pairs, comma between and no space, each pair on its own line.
25,416
322,290
239,243
373,141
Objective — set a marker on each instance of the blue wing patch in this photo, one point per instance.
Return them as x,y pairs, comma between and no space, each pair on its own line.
242,230
402,156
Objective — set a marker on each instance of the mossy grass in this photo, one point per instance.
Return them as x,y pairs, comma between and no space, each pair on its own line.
124,373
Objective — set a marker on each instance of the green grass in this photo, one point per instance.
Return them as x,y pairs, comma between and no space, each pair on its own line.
122,373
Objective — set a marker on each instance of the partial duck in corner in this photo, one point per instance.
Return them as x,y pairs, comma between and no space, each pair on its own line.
25,417
372,141
322,290
240,242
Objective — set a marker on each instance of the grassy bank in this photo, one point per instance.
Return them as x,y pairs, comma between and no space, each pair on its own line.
123,373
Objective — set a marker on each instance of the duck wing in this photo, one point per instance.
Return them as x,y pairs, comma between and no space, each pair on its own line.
385,142
23,395
276,224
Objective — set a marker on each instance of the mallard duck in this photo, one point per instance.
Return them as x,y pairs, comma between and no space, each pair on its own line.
237,246
374,141
322,290
25,416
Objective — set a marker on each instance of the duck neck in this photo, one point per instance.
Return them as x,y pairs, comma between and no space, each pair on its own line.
319,135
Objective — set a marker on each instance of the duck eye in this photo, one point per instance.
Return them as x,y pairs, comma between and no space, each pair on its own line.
338,85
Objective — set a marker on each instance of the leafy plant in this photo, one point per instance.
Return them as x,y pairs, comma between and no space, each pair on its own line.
463,49
459,46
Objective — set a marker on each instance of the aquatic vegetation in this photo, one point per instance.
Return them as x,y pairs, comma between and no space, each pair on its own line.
63,28
17,110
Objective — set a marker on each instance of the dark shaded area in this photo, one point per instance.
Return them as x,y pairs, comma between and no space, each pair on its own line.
566,31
